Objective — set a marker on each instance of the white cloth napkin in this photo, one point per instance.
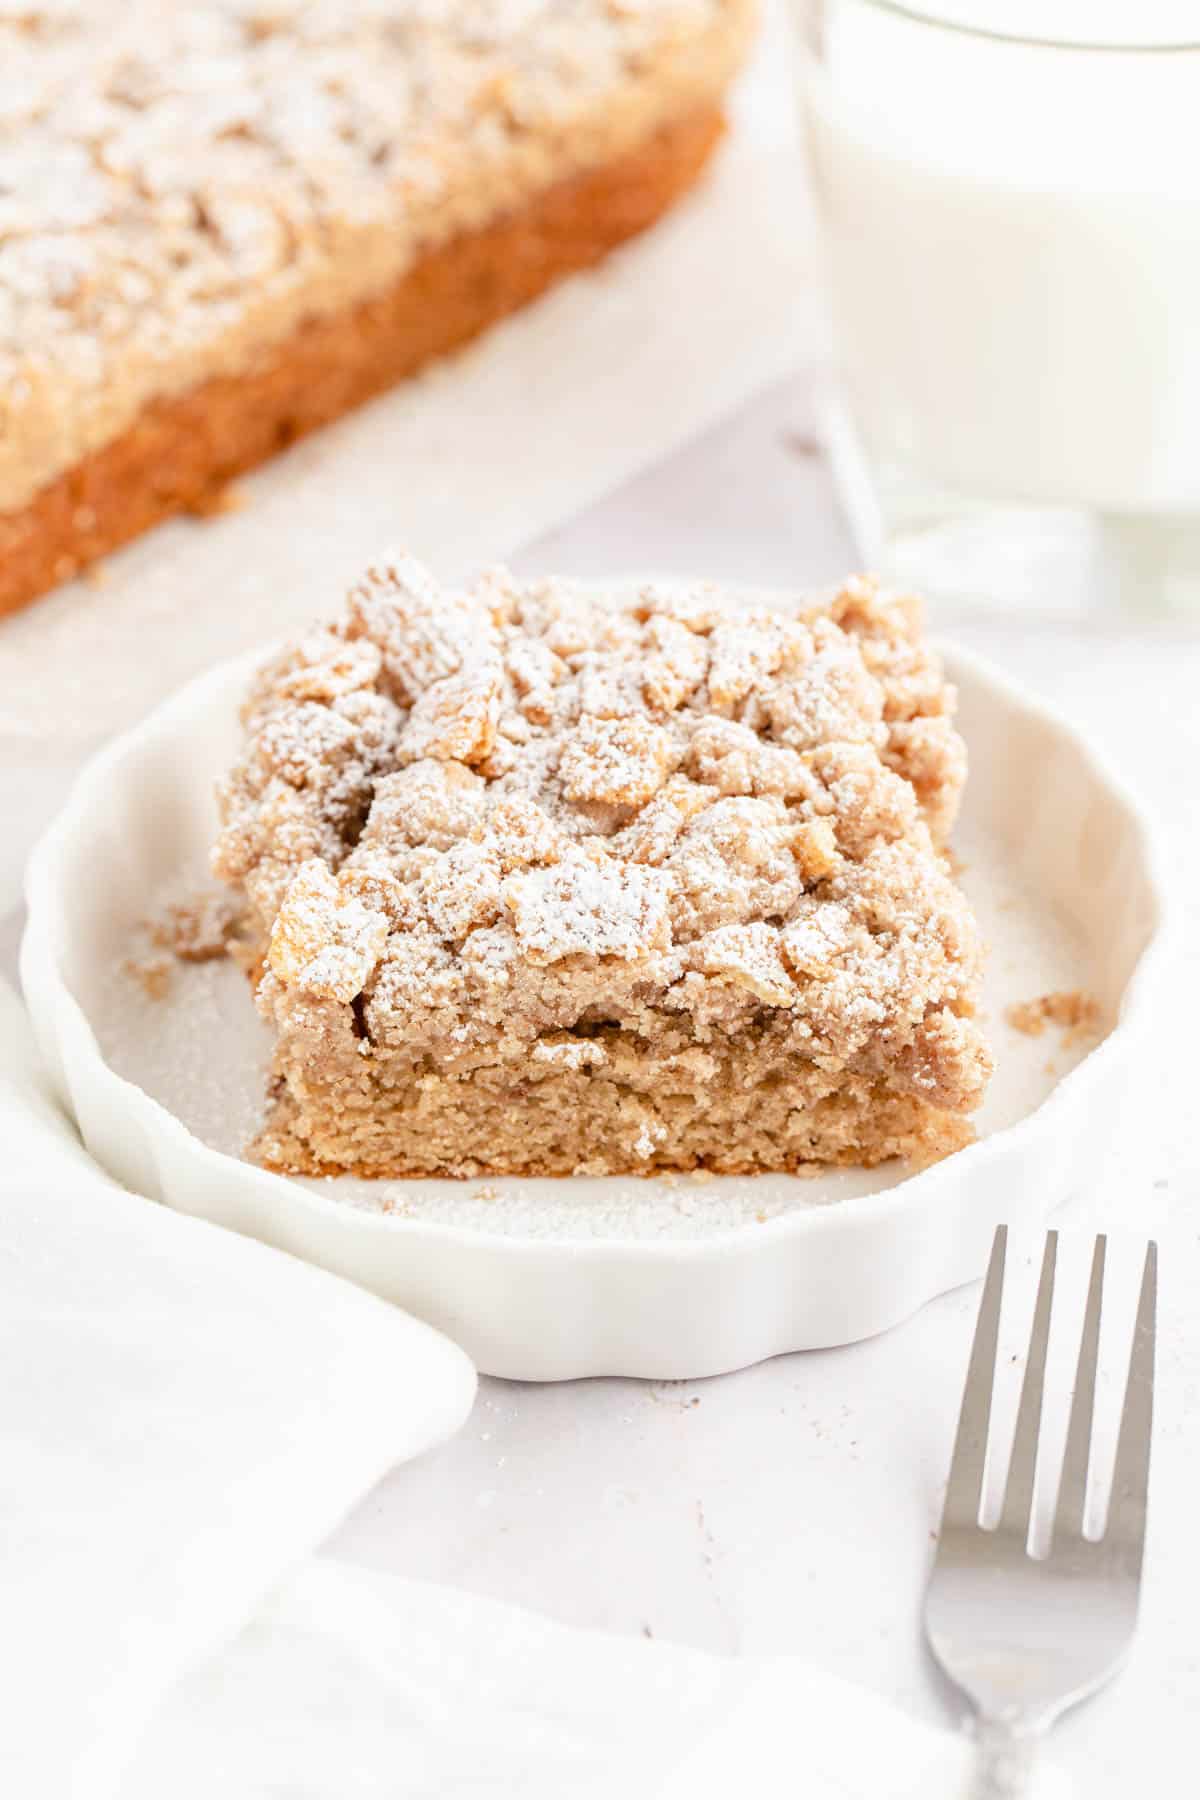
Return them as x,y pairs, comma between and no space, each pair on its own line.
184,1416
354,1686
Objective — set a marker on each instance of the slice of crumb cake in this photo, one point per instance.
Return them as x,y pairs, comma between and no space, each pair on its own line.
555,883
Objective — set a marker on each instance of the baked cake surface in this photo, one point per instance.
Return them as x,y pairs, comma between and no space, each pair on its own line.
222,223
547,882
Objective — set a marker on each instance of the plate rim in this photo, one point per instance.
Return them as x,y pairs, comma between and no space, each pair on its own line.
50,998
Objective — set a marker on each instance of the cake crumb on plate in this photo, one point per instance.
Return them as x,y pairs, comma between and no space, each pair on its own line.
1074,1011
153,973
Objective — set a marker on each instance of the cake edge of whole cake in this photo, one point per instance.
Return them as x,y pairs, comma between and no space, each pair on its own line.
131,397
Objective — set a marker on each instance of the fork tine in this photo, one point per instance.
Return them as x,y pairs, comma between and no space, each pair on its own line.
964,1489
1072,1490
1018,1489
1131,1471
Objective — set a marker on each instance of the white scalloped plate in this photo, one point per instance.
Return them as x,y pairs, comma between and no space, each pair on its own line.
554,1279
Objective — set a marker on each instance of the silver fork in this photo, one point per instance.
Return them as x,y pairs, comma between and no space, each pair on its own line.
1026,1637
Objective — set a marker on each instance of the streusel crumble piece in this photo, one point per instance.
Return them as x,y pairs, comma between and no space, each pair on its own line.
552,883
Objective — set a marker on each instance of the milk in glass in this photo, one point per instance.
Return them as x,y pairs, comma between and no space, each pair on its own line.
1012,236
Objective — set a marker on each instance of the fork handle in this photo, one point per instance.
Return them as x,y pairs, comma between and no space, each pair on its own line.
1004,1759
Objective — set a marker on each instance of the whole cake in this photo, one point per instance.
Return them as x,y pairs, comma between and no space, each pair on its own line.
548,882
224,222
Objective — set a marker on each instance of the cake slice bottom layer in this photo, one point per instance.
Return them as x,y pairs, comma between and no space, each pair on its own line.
734,1108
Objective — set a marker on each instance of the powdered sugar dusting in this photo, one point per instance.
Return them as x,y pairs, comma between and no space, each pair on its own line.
581,908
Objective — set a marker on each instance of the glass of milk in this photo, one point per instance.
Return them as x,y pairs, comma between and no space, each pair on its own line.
1009,194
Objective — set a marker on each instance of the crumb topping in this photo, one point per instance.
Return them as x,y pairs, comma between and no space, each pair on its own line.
324,939
515,811
588,906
